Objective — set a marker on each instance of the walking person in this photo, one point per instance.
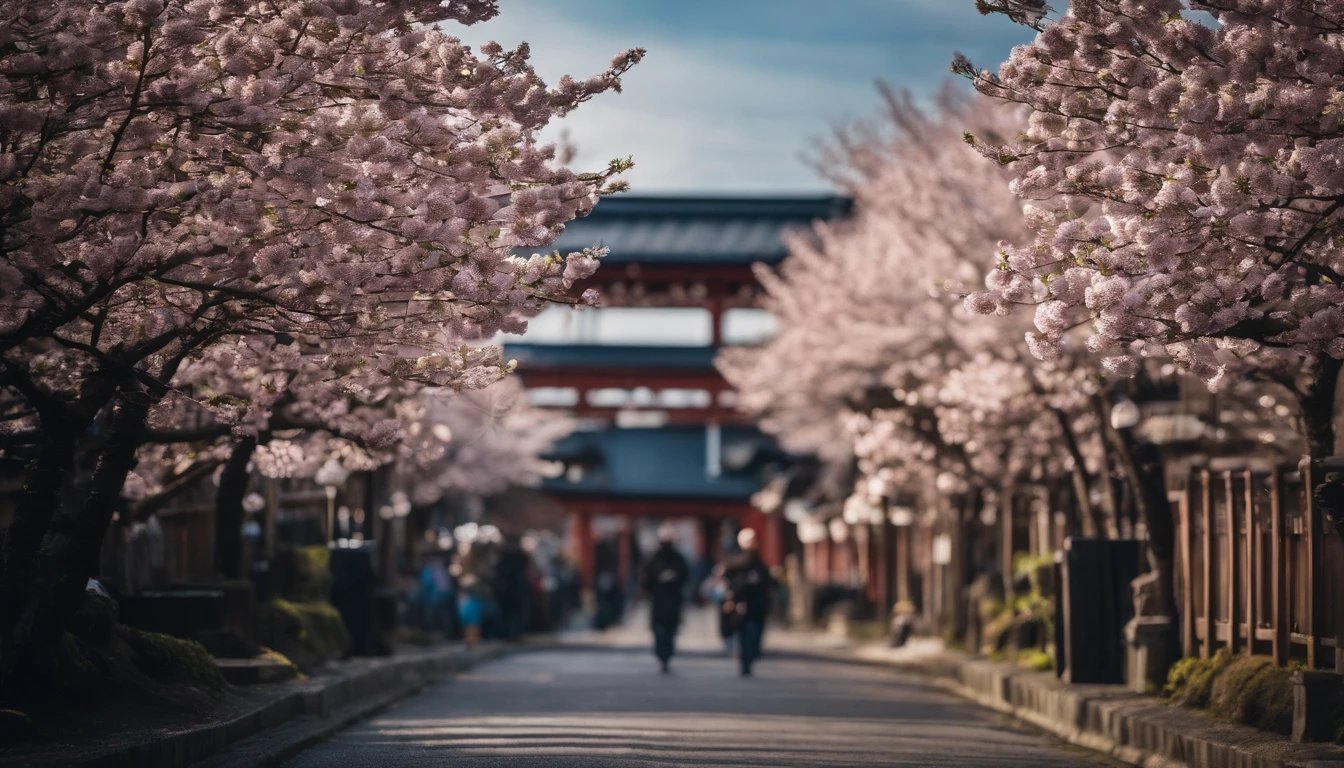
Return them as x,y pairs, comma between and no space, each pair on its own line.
715,590
665,577
750,586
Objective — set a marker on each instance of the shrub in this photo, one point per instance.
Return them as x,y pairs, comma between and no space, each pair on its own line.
307,633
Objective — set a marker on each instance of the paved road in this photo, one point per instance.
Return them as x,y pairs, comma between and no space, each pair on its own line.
604,708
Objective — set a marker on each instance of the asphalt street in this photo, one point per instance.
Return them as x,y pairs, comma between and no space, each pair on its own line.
590,708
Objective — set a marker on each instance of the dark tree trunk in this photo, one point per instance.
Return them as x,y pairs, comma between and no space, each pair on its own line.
229,509
1093,525
38,501
69,556
1317,407
1141,465
77,538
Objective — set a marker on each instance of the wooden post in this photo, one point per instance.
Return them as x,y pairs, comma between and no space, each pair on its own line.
272,513
1187,574
1280,572
903,564
1006,540
1253,570
1206,501
1232,562
884,565
585,558
1312,524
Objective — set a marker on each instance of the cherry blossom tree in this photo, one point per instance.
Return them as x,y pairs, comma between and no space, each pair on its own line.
876,358
181,174
1183,181
476,443
898,372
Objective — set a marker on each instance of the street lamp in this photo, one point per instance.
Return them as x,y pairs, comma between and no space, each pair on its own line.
331,475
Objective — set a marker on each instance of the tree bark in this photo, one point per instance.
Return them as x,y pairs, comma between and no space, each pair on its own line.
1316,404
1093,525
1110,502
38,501
1141,465
69,556
229,511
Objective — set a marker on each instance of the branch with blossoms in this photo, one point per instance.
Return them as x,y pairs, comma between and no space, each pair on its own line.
1173,223
176,185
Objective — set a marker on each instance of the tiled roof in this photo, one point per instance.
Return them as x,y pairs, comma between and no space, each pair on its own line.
696,230
666,463
609,356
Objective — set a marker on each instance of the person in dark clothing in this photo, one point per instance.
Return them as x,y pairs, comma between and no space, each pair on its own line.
664,581
749,587
606,586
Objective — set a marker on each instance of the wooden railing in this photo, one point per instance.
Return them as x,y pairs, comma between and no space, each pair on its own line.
1251,564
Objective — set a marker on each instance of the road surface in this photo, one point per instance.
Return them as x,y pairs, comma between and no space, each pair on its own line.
600,708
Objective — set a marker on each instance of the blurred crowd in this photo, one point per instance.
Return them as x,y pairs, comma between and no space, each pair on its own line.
494,586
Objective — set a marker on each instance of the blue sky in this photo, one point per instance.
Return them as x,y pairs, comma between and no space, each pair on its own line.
734,91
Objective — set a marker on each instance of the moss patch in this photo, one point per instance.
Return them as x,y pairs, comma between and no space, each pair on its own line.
307,633
172,660
1036,660
1249,690
228,644
1190,681
312,574
1253,691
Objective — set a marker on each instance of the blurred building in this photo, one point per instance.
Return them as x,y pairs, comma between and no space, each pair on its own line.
661,439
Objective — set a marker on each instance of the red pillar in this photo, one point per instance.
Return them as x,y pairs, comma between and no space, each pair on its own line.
581,542
769,537
827,568
774,541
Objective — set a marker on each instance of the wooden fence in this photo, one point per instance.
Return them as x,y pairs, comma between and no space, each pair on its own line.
1253,567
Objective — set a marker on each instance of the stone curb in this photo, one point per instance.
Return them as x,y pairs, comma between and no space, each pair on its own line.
312,711
1130,727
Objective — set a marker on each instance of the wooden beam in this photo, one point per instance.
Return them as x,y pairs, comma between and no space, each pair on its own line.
1254,573
1312,523
581,377
1187,576
1280,571
1206,517
1233,562
652,507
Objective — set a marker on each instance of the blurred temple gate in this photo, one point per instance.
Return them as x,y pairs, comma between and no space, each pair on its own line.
661,438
